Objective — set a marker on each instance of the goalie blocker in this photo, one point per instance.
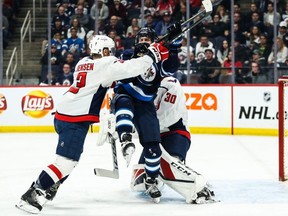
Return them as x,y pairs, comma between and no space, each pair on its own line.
188,183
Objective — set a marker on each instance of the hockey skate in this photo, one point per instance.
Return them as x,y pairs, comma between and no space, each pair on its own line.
33,200
204,196
127,147
152,189
51,192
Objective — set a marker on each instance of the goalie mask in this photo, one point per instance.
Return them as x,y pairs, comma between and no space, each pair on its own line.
101,42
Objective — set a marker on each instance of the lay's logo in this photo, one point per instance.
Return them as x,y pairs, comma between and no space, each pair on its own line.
3,103
37,104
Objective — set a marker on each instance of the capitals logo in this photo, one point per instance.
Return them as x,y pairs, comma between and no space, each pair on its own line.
37,104
3,103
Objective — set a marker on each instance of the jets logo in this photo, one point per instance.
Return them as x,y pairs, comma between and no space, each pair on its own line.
149,75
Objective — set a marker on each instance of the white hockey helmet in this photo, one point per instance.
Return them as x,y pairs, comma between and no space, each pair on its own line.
100,42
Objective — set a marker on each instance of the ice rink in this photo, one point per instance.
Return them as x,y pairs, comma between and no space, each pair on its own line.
243,171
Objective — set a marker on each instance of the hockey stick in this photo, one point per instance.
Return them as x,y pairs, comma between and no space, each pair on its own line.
110,173
195,20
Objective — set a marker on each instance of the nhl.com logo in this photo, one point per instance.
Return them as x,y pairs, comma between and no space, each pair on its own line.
37,104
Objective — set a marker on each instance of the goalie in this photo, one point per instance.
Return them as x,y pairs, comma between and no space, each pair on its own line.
175,142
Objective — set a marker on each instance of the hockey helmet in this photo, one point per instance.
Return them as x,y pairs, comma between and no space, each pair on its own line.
146,32
100,42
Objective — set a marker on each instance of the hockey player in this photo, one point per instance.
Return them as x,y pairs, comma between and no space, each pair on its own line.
133,105
175,143
80,107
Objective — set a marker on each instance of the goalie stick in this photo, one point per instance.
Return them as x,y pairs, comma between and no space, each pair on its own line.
110,173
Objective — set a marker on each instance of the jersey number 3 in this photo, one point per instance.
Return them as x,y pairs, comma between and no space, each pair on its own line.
80,82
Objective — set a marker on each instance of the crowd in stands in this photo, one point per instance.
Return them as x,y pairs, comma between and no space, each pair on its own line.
10,9
210,52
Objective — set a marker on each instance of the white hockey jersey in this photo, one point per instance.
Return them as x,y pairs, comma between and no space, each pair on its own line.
82,102
170,103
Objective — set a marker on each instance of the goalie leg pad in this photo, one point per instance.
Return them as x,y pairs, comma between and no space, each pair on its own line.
180,177
138,178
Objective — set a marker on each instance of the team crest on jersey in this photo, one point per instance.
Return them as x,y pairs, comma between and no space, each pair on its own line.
149,75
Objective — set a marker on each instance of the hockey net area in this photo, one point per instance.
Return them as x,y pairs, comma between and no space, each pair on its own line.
283,128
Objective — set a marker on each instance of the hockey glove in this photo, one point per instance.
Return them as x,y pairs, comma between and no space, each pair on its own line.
175,45
158,52
174,30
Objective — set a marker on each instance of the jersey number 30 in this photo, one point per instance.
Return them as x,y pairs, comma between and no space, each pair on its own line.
170,98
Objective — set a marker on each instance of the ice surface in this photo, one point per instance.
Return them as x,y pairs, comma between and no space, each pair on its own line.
243,171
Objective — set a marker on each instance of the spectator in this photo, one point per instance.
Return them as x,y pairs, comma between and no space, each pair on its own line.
282,52
65,78
84,9
269,17
257,74
256,57
81,33
114,24
196,5
83,18
222,52
69,9
129,42
100,9
119,10
183,53
253,36
281,56
239,20
264,47
223,15
180,14
239,16
129,32
209,68
164,23
118,43
149,6
241,51
255,21
237,34
203,44
181,75
149,21
70,60
50,79
282,30
57,27
217,29
60,14
262,5
226,73
164,6
284,13
74,45
56,41
253,9
55,60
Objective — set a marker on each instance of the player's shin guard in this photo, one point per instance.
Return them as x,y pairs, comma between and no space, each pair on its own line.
152,155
